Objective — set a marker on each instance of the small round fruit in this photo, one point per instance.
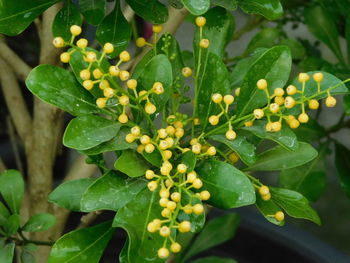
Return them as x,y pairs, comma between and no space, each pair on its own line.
131,83
166,212
75,30
331,101
108,92
228,99
264,190
289,102
200,21
197,183
198,209
204,43
151,227
65,57
175,247
258,113
313,104
279,216
158,88
104,84
266,197
123,118
279,92
176,197
274,107
303,118
140,42
182,168
157,28
108,48
58,42
188,209
261,84
205,195
90,56
303,77
216,98
211,151
129,138
276,126
150,108
124,75
97,73
163,202
318,77
167,154
291,90
171,205
248,124
279,100
294,124
149,148
152,186
82,43
163,252
184,226
164,231
85,74
233,157
101,102
196,148
124,56
135,130
88,84
231,135
145,139
123,100
214,120
186,72
149,174
191,176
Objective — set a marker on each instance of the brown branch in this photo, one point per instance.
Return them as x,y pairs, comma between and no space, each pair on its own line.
128,13
87,219
2,166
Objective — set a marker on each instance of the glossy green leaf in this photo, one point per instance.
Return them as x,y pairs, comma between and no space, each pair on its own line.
278,158
58,87
132,164
134,218
16,16
215,232
150,10
110,192
4,214
40,222
343,166
265,38
240,145
296,48
7,252
69,15
347,104
93,10
214,259
12,189
69,194
271,9
197,7
12,225
114,29
230,5
154,158
268,209
322,25
85,132
285,137
81,245
274,65
189,159
295,204
228,186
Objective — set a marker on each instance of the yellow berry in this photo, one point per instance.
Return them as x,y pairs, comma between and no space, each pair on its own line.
135,130
164,193
233,157
58,42
163,252
131,83
261,84
231,135
294,124
188,209
151,227
258,113
248,124
85,74
198,209
140,148
163,145
97,73
216,98
268,127
331,101
204,43
176,197
264,190
266,197
179,132
108,92
163,202
104,84
149,148
166,168
279,216
313,104
318,77
178,124
65,57
114,71
279,92
276,126
157,28
274,108
167,154
191,176
182,168
197,183
184,226
140,42
124,56
164,231
123,118
124,75
171,205
291,90
123,100
200,21
228,99
82,43
175,247
75,30
186,72
101,102
158,88
143,94
170,142
214,120
193,141
152,186
196,148
90,56
166,212
211,151
108,48
88,84
129,138
149,174
204,195
289,102
170,130
303,77
150,108
279,100
237,91
303,118
196,121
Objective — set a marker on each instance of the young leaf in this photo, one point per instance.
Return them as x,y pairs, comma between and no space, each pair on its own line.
132,164
343,166
12,225
196,7
79,245
114,29
274,65
230,5
7,252
295,204
151,10
85,132
12,189
244,149
214,259
15,16
271,9
134,218
268,209
110,192
58,87
69,15
285,137
215,232
278,158
93,10
228,186
39,222
4,214
69,194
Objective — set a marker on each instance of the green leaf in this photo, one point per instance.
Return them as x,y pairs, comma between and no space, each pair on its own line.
215,232
322,26
285,137
244,149
115,29
308,179
79,245
110,192
132,164
39,222
268,209
4,214
274,65
16,16
295,204
69,194
27,257
230,5
134,218
58,87
297,49
265,38
150,10
228,186
69,15
278,158
12,189
154,158
157,69
197,7
214,259
189,159
343,166
12,225
93,10
85,132
347,104
347,36
7,252
271,9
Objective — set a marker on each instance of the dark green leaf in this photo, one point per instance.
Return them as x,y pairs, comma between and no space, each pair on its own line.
347,35
266,38
93,10
274,65
132,164
268,209
85,132
189,159
215,232
227,4
114,29
12,189
296,48
111,192
69,15
154,158
81,245
343,166
295,204
271,9
7,253
214,259
69,194
278,158
15,16
58,87
197,7
228,186
4,214
244,149
150,10
12,225
39,222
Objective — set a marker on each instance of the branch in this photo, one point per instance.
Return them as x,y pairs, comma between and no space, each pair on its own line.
128,13
87,219
2,166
